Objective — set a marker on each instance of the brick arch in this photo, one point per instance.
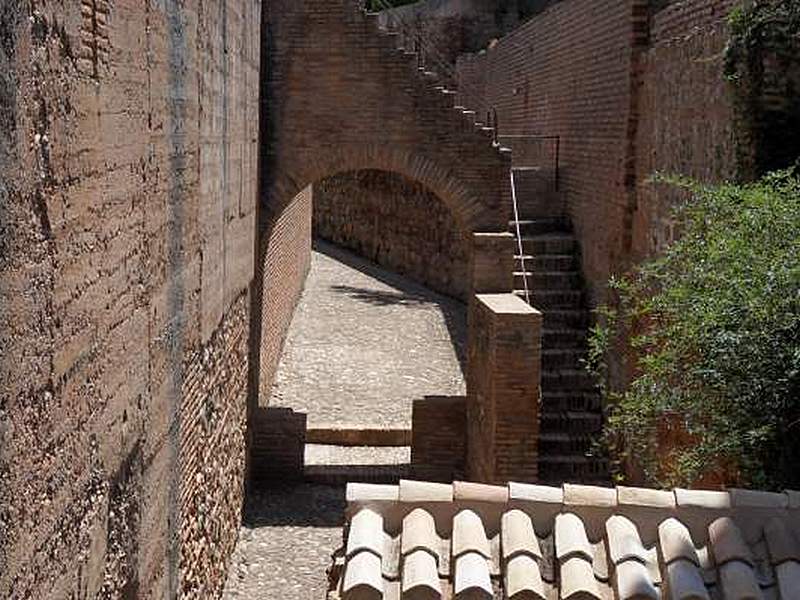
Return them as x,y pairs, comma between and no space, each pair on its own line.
340,96
467,209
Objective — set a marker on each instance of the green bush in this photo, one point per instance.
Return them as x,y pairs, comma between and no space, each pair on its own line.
713,329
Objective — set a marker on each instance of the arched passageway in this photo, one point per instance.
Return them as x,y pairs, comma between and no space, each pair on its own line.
365,341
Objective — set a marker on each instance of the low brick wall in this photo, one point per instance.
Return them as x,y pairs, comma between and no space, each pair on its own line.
277,444
438,438
284,261
395,223
503,389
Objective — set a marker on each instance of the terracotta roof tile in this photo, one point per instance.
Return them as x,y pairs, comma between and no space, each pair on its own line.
420,576
788,579
676,542
727,543
782,543
685,582
469,535
571,538
424,491
589,495
578,580
754,499
419,533
524,578
364,492
517,536
536,493
738,580
362,577
477,492
366,533
644,497
423,541
471,578
702,499
633,582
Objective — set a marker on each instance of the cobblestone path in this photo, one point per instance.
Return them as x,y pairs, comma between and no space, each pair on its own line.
364,343
285,543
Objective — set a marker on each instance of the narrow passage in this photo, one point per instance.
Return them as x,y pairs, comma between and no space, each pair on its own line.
363,344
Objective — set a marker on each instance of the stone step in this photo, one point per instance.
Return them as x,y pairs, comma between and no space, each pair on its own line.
565,401
546,262
573,380
562,358
555,280
560,299
528,227
571,422
565,444
336,465
330,454
563,338
343,474
553,243
567,319
558,469
339,435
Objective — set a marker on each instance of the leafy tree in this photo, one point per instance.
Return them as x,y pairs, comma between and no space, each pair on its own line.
714,329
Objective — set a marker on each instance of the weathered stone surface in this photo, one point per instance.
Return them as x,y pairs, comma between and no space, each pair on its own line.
127,191
397,224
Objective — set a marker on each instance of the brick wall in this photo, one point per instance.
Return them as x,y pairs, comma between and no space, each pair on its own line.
585,70
688,128
567,72
284,261
343,98
395,223
438,438
503,389
127,199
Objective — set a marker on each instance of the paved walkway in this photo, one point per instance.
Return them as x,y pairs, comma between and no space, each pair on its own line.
285,543
365,342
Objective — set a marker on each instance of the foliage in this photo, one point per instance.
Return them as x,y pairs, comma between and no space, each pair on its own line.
762,61
756,25
714,329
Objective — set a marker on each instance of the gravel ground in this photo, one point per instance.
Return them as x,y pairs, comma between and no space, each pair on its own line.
365,342
286,542
319,454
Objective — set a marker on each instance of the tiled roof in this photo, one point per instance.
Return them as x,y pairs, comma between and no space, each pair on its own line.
426,541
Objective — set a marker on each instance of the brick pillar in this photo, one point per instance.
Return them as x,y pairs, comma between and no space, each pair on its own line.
492,263
503,389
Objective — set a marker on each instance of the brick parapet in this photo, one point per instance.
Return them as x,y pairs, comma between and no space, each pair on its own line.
503,389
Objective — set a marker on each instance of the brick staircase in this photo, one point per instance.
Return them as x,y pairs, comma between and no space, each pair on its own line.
571,412
571,407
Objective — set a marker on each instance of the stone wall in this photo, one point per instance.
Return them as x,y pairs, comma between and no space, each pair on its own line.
395,223
127,217
284,261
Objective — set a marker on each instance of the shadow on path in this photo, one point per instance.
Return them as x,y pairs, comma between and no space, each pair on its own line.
408,294
300,505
